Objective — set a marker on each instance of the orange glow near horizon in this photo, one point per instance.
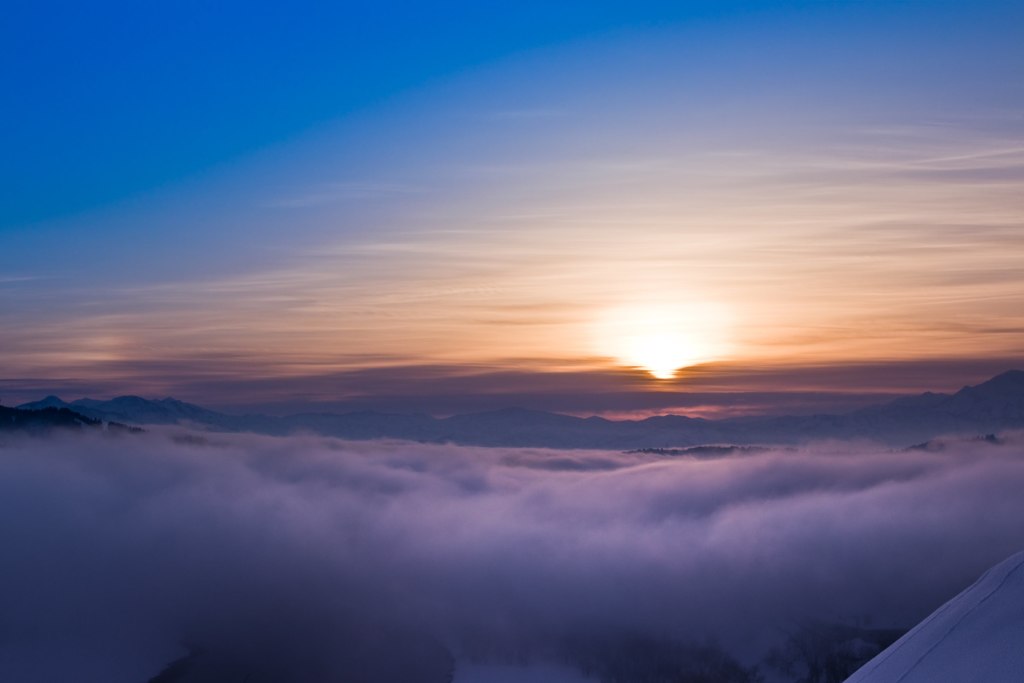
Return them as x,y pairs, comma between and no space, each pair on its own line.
663,338
750,265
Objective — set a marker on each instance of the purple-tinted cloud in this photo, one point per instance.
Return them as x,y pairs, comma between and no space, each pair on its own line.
288,554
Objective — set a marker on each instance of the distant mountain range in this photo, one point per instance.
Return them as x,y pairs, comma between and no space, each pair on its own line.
34,420
993,406
43,420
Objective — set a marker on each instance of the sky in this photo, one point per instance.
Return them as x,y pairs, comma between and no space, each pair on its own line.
613,208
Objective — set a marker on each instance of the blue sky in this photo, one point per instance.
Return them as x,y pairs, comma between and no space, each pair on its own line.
107,99
197,194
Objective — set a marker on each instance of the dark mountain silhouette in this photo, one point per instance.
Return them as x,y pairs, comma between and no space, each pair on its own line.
990,407
134,409
43,420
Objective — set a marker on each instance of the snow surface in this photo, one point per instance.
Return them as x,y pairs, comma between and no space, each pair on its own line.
977,636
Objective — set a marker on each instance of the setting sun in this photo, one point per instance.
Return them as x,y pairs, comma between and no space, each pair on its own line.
663,339
661,354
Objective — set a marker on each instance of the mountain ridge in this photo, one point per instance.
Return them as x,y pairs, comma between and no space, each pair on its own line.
48,418
991,406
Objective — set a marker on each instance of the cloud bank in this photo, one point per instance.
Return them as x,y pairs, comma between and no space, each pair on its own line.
309,558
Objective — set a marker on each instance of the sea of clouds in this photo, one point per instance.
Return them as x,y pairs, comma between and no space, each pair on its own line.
310,559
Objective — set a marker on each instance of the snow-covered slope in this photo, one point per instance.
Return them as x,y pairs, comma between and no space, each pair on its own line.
978,636
536,673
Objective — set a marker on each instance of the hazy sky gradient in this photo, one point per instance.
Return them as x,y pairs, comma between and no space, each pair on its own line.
244,197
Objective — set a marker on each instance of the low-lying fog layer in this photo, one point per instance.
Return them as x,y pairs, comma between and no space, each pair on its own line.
305,558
